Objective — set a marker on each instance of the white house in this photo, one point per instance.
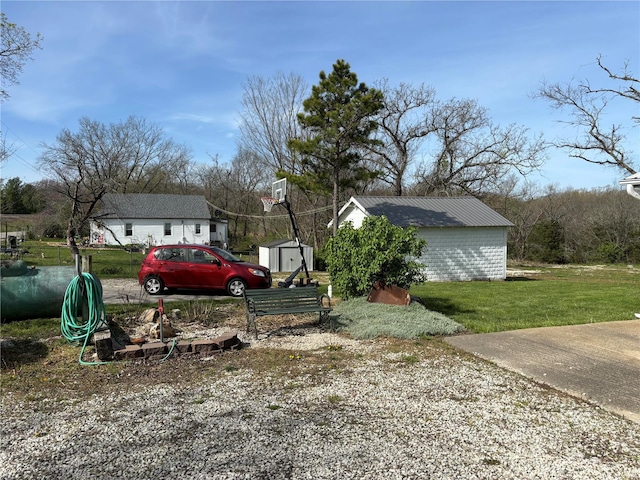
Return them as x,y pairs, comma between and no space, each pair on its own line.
156,219
284,256
632,183
466,240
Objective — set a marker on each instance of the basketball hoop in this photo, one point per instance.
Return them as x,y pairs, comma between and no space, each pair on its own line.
268,203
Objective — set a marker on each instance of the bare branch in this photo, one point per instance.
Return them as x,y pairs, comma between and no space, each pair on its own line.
598,143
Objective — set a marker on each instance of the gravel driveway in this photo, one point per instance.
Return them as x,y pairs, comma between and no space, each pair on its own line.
128,290
399,411
415,412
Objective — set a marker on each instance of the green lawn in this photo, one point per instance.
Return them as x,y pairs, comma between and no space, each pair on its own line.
548,297
107,262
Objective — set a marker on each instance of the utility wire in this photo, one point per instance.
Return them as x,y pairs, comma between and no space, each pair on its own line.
308,212
14,154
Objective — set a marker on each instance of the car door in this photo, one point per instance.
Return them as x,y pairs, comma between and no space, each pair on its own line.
205,270
175,268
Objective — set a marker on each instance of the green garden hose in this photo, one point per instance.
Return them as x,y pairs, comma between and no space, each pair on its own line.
83,311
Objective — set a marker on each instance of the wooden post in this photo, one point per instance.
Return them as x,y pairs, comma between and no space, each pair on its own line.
87,264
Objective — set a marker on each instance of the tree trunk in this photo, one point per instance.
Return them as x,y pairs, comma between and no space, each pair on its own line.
336,191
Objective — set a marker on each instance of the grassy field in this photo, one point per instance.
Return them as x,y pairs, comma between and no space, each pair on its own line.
107,262
538,297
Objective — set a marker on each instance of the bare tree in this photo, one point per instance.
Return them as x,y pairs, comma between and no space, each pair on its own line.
17,47
6,150
402,127
468,154
235,188
516,202
269,118
129,157
599,142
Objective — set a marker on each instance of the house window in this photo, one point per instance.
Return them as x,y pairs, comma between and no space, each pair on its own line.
167,228
128,229
213,228
197,229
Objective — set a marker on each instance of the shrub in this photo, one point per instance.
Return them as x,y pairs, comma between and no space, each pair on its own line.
609,252
371,320
377,251
546,243
54,230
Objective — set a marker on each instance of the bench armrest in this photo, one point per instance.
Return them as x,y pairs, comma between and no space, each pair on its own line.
324,298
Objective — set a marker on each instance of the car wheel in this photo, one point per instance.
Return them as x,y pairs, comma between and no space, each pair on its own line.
236,287
153,285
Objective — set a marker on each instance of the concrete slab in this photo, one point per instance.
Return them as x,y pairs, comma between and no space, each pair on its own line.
598,362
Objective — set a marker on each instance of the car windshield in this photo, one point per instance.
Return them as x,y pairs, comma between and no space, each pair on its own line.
228,256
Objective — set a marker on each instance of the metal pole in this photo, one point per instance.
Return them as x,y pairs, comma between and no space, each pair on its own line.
296,232
160,320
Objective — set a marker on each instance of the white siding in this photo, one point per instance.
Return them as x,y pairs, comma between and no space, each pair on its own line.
285,257
268,257
465,253
151,232
220,233
353,215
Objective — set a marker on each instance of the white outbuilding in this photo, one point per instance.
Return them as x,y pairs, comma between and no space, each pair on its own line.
466,240
284,256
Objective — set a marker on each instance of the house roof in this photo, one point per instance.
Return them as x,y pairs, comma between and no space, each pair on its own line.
154,206
277,243
631,179
430,211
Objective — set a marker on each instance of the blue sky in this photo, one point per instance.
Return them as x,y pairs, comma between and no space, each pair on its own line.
182,64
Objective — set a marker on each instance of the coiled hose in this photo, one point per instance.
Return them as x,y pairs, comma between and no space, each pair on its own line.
83,298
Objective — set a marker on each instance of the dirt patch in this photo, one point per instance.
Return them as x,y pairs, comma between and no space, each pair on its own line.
511,273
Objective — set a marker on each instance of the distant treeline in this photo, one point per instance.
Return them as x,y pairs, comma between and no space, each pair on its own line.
568,226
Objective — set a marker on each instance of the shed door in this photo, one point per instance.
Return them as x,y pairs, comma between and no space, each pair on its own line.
289,259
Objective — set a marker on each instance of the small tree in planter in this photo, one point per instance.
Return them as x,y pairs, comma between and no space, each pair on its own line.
377,251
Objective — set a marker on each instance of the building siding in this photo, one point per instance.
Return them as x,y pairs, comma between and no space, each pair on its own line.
355,216
150,232
465,253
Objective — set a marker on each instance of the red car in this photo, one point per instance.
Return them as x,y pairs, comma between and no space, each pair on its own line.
199,267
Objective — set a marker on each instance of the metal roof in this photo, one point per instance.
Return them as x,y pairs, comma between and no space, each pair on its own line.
154,206
277,243
432,211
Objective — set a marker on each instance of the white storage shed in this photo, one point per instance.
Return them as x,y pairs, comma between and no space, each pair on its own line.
284,256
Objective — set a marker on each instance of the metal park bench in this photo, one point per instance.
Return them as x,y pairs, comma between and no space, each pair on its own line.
281,301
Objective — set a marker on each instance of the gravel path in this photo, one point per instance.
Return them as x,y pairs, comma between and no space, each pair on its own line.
128,290
391,415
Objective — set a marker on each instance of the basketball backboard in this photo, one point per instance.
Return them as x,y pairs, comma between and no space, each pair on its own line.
279,190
